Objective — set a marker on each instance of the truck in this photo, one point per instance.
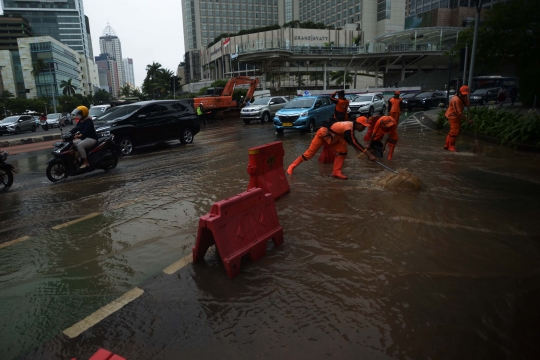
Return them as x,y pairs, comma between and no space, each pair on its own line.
220,104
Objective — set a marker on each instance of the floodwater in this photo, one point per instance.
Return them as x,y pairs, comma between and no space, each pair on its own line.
368,269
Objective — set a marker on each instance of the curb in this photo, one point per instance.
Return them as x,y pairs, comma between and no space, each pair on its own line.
36,139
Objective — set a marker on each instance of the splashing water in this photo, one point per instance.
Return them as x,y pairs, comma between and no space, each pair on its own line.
404,181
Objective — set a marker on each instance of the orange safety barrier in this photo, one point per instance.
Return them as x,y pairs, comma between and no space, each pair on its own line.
372,120
239,226
266,171
328,155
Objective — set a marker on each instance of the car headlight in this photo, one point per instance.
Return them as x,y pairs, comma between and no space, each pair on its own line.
404,101
304,114
105,133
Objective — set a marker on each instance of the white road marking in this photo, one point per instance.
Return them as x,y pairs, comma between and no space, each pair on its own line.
171,269
76,221
9,243
102,313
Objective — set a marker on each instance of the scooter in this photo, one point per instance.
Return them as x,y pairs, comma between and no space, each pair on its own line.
44,125
66,161
6,172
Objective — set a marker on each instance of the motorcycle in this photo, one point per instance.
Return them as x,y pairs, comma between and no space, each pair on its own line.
66,162
44,125
6,172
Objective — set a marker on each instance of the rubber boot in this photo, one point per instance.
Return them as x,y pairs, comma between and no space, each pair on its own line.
338,163
447,142
295,163
452,144
391,148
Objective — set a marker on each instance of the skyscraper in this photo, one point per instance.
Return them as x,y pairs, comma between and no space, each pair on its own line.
110,44
109,79
62,20
129,76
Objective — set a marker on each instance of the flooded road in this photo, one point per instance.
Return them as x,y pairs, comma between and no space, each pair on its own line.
450,271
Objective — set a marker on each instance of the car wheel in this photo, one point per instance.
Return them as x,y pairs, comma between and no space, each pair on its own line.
247,121
57,171
34,128
187,136
126,146
279,131
266,118
371,111
17,131
311,127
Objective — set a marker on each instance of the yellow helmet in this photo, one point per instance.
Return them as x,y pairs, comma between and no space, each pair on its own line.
80,111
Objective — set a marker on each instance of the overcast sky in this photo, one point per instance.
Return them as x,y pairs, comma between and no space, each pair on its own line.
149,30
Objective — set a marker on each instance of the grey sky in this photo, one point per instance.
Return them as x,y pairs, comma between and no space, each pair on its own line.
150,30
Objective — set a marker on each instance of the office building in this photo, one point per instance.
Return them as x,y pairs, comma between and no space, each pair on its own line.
109,43
62,20
109,79
129,75
11,28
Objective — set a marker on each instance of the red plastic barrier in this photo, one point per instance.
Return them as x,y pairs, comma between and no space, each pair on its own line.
239,226
103,354
372,120
266,171
328,155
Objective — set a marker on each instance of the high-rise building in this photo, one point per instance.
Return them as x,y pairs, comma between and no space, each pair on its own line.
62,20
129,75
110,44
11,28
109,79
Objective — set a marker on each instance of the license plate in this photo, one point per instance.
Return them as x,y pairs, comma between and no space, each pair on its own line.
287,124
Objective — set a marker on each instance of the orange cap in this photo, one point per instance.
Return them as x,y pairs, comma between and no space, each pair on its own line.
397,92
363,121
464,90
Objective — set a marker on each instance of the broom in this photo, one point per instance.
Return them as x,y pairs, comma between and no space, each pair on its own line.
477,148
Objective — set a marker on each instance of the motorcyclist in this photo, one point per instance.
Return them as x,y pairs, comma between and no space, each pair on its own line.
86,136
43,121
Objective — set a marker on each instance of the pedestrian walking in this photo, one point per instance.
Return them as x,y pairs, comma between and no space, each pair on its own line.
338,135
501,96
395,105
455,115
513,94
201,115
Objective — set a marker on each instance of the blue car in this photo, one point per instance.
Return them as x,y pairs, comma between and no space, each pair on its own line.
305,113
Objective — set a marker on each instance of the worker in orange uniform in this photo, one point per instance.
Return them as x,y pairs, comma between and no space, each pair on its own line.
338,135
395,105
455,115
385,125
342,105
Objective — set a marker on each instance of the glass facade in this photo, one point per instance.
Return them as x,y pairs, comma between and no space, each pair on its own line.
331,12
68,27
383,9
66,66
417,7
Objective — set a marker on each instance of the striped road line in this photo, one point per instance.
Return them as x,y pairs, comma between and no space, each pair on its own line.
89,216
12,242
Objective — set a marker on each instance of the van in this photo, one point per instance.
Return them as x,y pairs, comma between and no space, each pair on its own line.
97,110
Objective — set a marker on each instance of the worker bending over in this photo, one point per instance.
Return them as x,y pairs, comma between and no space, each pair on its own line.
455,115
395,105
386,125
342,105
338,135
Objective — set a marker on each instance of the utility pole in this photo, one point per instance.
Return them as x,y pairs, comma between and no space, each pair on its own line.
51,71
475,38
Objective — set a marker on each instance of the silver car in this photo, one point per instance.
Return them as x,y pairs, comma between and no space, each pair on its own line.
55,119
263,109
17,124
367,104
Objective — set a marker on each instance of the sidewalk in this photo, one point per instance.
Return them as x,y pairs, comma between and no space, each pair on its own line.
29,140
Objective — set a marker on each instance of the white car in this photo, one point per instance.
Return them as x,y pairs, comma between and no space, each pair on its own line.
367,104
55,119
97,110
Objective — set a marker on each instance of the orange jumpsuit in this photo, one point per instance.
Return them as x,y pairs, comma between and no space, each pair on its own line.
338,136
453,114
386,125
342,105
394,108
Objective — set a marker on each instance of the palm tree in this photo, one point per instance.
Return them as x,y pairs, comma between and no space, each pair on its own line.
337,76
38,67
69,88
315,76
125,90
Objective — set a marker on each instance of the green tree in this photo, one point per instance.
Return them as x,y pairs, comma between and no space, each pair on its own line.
509,34
337,77
69,88
219,83
6,94
299,79
315,76
125,91
38,67
102,97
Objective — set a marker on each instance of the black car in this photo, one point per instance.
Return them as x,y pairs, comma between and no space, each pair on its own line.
149,122
483,96
425,100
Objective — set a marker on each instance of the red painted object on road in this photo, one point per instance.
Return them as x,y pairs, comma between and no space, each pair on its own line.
103,354
372,120
239,226
328,155
266,171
